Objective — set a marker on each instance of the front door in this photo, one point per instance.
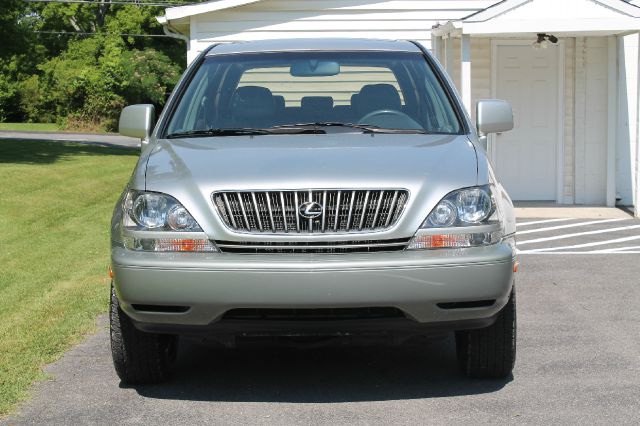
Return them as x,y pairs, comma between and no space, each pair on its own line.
525,159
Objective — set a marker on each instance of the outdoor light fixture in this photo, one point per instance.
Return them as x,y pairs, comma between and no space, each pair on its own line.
544,41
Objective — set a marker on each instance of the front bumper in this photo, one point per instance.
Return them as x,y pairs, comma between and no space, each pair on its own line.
414,282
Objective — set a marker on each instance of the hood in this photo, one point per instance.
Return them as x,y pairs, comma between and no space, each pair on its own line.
429,166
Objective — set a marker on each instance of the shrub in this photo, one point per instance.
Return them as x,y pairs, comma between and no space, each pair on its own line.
93,80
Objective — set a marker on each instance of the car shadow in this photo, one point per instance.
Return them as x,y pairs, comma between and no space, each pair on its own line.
274,372
28,151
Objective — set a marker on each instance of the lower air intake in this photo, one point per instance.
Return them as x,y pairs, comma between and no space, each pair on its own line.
321,314
467,305
330,247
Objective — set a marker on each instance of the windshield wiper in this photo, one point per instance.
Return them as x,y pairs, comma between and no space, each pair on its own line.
312,128
366,128
218,132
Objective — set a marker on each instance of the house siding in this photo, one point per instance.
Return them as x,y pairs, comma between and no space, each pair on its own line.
591,120
269,19
480,71
569,120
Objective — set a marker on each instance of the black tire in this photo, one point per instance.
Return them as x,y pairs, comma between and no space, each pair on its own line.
138,357
490,353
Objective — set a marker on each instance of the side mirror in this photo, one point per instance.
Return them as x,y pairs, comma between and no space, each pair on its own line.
493,116
137,121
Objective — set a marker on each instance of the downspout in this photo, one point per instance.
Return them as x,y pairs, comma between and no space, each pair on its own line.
636,190
166,27
173,33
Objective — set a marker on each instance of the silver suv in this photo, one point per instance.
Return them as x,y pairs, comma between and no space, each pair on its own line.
313,188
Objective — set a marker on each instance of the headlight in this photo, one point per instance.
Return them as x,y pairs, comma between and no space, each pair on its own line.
468,206
467,217
158,212
144,214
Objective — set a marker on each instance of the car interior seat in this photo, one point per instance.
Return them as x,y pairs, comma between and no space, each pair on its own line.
252,106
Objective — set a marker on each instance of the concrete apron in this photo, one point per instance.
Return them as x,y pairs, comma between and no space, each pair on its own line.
531,210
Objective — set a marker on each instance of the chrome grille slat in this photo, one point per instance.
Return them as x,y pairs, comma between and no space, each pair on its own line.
335,226
399,206
297,216
273,224
248,208
353,198
343,211
310,220
284,213
391,206
324,209
244,213
255,206
363,215
375,215
290,209
229,213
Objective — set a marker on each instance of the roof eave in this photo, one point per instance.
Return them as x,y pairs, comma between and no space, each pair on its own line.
179,12
602,27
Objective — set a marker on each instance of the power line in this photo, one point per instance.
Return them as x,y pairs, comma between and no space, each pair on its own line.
116,2
102,34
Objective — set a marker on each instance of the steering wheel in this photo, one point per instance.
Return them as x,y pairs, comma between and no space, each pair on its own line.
390,118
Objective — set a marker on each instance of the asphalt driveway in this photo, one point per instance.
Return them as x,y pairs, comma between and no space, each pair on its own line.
90,138
578,360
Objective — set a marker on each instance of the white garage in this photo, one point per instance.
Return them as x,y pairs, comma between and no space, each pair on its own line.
569,68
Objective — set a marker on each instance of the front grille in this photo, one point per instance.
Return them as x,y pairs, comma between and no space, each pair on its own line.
339,211
361,246
319,314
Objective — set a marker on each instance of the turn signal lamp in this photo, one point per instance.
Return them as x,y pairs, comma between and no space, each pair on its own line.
474,239
170,244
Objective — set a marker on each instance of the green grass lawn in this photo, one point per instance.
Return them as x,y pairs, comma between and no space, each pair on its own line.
29,127
56,201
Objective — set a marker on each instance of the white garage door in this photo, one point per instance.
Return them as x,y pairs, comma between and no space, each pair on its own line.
525,158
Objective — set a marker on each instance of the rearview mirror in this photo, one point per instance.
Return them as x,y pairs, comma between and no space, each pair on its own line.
137,121
314,68
493,116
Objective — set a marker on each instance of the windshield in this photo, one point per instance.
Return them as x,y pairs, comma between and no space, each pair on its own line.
280,91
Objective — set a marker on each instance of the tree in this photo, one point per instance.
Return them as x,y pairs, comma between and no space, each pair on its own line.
80,63
89,83
12,31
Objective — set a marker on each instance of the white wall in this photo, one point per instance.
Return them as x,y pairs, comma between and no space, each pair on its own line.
267,19
627,134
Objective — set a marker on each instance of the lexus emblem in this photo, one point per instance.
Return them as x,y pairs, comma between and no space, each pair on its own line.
310,210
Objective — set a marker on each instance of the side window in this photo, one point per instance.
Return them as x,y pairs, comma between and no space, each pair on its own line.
439,116
193,114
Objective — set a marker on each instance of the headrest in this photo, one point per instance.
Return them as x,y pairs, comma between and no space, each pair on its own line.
279,102
354,101
252,102
317,103
373,97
